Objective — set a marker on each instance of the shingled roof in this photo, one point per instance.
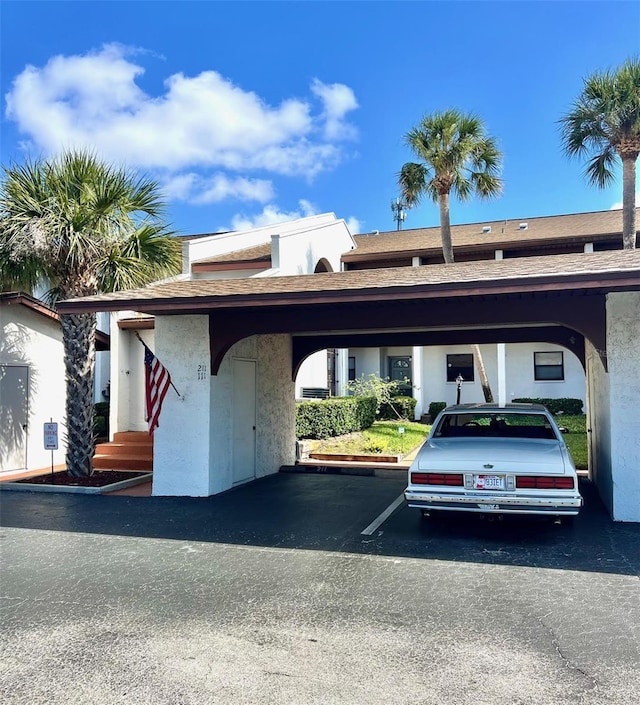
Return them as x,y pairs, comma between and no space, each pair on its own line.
259,253
619,270
501,234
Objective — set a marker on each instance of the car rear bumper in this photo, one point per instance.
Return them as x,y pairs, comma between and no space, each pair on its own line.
494,504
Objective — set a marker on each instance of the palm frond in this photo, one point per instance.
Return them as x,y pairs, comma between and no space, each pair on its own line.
454,152
413,180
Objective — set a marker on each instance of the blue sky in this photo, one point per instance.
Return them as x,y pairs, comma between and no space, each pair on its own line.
250,112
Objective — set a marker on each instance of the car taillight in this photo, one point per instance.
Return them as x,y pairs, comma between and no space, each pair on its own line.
544,482
435,478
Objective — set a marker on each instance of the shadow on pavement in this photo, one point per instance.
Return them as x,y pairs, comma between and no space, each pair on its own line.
329,512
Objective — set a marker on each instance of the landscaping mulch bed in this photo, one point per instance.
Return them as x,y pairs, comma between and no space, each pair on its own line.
100,478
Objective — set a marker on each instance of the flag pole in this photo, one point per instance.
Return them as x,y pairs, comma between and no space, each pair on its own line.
170,380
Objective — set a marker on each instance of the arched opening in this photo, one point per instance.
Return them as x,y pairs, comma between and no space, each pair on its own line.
323,266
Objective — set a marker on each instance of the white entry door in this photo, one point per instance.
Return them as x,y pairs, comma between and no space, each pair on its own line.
243,451
14,393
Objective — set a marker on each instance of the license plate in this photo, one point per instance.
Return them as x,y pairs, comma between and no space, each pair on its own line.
488,482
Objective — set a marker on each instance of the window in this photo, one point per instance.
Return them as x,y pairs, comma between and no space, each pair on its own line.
460,364
352,368
548,366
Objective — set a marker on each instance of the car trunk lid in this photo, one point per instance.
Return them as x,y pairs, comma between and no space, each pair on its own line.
485,456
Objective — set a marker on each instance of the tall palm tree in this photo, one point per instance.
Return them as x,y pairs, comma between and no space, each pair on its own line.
456,155
605,122
81,227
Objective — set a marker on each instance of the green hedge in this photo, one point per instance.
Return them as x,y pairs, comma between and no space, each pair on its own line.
405,408
435,408
334,417
555,406
101,419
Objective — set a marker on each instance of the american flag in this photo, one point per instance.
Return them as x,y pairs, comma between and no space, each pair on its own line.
157,383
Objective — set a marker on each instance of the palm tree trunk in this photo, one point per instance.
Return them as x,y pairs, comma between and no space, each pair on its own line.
447,252
445,228
629,202
482,373
78,339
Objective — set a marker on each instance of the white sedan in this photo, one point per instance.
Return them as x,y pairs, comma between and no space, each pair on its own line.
494,459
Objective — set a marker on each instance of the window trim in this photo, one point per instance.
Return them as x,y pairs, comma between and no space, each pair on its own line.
451,378
537,366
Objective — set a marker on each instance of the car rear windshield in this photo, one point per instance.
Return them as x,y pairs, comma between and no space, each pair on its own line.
494,425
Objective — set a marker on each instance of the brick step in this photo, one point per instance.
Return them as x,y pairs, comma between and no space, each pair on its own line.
124,449
122,462
132,437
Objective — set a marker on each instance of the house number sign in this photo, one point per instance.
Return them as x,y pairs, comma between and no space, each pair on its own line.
202,371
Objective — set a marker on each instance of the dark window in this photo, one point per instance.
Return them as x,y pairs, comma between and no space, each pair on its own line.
460,364
548,366
352,368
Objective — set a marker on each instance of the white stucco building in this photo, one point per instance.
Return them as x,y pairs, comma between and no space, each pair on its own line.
32,382
239,325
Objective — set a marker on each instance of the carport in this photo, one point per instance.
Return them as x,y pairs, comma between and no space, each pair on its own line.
233,347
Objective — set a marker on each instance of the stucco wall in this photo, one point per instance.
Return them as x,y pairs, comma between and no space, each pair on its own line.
181,460
299,252
30,339
275,405
623,354
433,385
312,372
599,421
193,445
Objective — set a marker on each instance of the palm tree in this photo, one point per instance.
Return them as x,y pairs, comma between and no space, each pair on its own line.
455,155
81,227
605,122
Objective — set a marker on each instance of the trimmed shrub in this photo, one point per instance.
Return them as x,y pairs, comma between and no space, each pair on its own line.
435,408
556,406
405,408
101,419
334,417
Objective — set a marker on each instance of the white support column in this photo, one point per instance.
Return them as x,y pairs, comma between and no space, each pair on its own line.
342,371
501,351
501,355
416,357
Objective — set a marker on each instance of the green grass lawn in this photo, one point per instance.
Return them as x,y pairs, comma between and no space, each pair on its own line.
383,438
576,438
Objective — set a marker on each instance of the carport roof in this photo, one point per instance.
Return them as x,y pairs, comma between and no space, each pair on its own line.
603,271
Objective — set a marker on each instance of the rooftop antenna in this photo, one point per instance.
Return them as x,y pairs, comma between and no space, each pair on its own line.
398,209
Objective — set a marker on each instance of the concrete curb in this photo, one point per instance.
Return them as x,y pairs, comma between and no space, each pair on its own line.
66,489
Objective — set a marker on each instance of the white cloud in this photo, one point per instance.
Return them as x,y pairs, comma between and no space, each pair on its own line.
338,100
271,215
618,205
200,190
354,225
198,122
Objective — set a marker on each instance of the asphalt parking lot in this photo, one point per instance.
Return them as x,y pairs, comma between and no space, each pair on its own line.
300,589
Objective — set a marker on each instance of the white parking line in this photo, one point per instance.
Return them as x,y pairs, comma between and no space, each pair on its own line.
383,517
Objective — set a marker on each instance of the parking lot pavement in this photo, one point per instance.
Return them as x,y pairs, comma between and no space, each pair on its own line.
272,594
